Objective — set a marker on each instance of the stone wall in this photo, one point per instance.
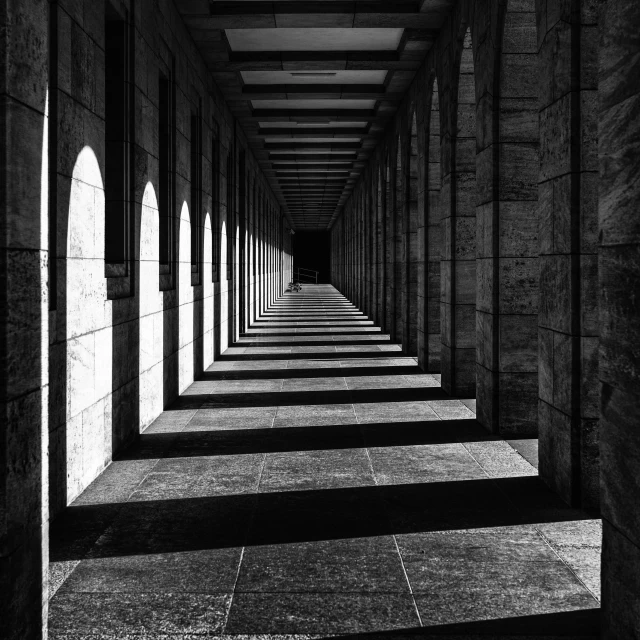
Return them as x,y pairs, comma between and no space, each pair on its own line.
568,320
619,286
124,346
115,339
532,236
23,318
504,267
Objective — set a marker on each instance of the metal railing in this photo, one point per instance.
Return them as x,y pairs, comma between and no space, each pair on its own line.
305,275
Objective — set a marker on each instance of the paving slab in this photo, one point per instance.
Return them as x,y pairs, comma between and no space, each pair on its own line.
314,482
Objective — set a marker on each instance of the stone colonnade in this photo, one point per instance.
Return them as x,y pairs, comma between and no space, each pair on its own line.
97,342
527,248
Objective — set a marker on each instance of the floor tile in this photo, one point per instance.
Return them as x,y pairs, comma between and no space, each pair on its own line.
527,448
314,384
497,545
329,469
197,477
394,412
123,613
423,463
499,460
312,415
451,410
329,514
360,565
202,571
333,613
473,606
376,382
311,484
233,418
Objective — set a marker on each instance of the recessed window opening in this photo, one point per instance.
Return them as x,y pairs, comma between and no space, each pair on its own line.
166,155
118,108
196,188
230,215
215,200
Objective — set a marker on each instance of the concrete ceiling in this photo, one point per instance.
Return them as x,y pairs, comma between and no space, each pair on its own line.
313,84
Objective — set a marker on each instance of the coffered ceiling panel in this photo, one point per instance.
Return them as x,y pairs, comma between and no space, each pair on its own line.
313,84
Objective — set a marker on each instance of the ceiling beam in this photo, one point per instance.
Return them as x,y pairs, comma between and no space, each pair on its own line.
265,15
346,115
321,89
310,132
339,146
315,174
312,180
303,60
311,191
312,166
318,157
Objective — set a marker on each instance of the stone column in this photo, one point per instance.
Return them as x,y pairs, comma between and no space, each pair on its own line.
381,246
433,240
568,318
357,244
413,257
507,236
389,247
619,297
422,232
400,251
375,247
347,253
458,264
371,265
24,319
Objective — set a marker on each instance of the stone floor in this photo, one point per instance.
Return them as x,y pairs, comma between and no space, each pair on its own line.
315,483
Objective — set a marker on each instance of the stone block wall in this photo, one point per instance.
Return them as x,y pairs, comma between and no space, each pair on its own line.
24,261
507,221
123,347
95,345
568,312
619,318
551,81
506,261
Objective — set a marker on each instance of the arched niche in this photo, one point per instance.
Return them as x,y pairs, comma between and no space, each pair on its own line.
185,302
207,295
151,326
223,325
88,330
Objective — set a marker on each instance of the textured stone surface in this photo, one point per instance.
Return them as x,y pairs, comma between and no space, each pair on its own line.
383,516
618,279
128,345
492,232
24,331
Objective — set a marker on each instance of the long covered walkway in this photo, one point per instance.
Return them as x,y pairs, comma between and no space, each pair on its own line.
314,482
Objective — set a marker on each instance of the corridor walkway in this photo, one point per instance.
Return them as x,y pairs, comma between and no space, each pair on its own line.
315,483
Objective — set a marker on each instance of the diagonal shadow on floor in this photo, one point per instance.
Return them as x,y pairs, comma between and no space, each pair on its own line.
318,397
286,496
576,625
325,372
310,438
215,522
